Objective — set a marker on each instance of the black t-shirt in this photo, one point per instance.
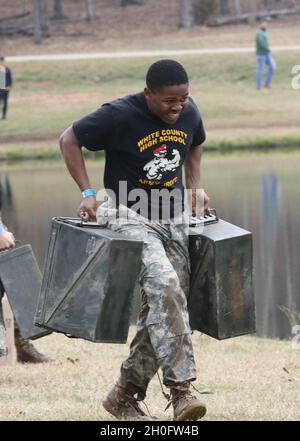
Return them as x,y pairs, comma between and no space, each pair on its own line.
140,148
8,77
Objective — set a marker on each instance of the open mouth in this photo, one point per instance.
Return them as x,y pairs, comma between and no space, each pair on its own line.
173,116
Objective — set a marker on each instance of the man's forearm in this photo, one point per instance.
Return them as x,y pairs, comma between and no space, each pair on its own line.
192,168
73,157
199,202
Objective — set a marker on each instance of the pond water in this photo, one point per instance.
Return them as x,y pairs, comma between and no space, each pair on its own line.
257,192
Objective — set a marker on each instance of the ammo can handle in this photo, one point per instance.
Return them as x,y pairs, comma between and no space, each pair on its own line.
210,218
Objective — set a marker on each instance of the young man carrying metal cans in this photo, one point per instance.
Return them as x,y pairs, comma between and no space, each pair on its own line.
148,137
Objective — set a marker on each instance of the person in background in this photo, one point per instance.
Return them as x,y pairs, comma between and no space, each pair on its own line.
26,352
4,93
263,57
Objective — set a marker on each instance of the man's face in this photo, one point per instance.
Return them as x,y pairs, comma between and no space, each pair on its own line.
264,25
167,102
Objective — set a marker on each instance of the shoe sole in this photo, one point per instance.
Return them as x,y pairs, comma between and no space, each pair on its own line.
108,407
194,412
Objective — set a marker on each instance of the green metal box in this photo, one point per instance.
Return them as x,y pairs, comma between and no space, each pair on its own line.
89,280
221,299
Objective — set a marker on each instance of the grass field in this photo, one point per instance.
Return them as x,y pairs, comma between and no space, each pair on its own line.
245,378
48,97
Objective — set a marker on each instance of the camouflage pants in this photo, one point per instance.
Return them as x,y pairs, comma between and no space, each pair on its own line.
163,337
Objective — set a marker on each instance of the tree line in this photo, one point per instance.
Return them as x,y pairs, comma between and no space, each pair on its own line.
40,14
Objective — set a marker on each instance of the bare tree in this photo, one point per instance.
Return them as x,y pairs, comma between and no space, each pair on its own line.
58,10
224,7
186,13
40,17
37,21
89,10
44,18
238,9
131,2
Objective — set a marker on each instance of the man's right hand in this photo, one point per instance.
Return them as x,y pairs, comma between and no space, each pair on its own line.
7,240
87,208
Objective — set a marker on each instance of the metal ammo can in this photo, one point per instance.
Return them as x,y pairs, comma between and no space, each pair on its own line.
21,280
88,282
221,299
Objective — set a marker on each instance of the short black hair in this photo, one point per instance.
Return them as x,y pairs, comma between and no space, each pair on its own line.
2,58
166,73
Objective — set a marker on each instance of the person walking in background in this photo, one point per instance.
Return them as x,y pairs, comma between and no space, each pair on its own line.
263,57
26,352
4,93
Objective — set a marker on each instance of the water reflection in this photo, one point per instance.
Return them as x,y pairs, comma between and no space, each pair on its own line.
7,202
274,258
262,198
268,244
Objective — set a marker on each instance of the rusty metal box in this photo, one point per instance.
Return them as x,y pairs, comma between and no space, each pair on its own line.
221,299
88,282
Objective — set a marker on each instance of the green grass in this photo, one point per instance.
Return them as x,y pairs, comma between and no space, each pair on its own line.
244,376
78,76
13,152
286,144
49,96
37,150
88,75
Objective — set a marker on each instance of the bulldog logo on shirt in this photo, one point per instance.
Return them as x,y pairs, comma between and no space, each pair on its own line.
160,163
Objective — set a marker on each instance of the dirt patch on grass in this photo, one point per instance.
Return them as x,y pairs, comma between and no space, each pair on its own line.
33,138
44,84
51,97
